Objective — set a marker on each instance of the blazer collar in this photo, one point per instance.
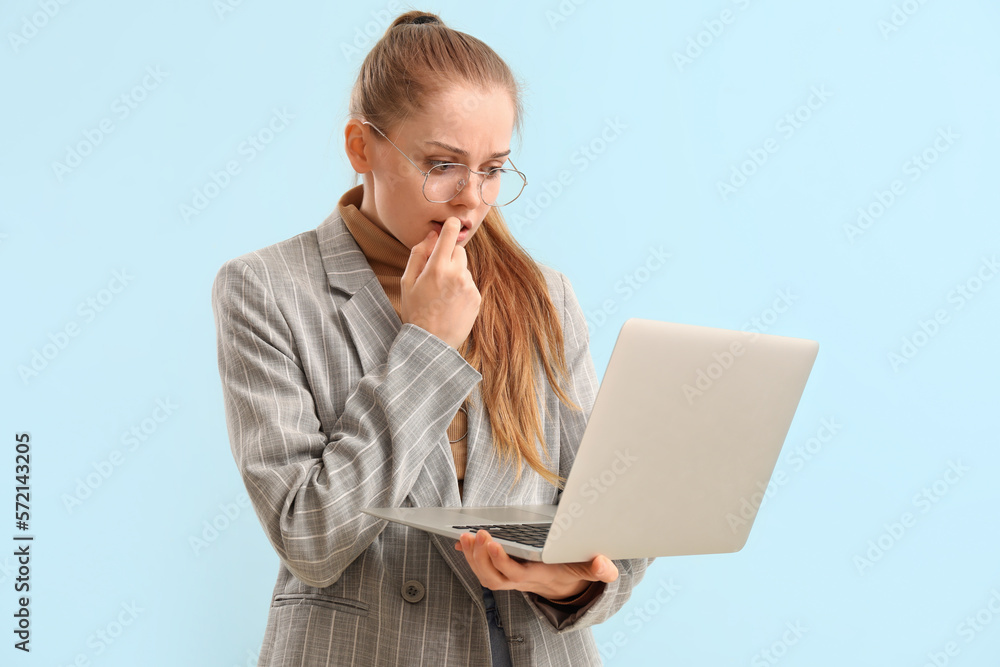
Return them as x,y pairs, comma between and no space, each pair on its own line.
346,267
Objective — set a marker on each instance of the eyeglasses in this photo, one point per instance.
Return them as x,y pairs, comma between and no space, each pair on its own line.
445,180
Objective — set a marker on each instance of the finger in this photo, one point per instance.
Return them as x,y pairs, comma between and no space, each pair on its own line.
418,258
506,565
445,245
461,257
488,573
467,550
604,569
465,542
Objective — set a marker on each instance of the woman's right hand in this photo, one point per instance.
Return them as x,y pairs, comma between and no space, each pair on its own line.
437,290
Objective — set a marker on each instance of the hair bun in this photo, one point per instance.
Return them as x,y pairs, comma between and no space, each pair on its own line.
426,18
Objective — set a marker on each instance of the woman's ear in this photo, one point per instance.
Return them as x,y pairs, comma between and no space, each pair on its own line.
357,147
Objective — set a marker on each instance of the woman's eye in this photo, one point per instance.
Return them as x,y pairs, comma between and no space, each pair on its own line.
450,165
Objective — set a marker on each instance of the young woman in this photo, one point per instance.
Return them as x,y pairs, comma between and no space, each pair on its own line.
409,352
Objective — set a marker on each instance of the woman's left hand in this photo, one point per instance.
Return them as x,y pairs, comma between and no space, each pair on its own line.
554,581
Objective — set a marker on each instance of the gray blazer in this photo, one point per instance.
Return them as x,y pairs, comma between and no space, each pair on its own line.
332,404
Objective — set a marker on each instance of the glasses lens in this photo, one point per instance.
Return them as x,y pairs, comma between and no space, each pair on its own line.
445,181
500,187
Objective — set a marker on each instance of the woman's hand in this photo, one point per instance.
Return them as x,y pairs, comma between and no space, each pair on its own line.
438,293
554,581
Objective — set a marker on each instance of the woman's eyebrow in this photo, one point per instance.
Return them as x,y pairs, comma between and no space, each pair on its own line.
465,153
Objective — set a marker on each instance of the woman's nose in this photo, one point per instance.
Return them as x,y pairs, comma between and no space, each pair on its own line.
469,194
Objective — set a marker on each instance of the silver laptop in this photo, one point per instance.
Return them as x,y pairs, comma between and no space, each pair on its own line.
683,437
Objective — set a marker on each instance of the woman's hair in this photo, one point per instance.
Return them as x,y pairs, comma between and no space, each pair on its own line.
518,325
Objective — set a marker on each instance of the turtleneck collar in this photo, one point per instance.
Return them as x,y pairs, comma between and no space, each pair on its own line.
384,252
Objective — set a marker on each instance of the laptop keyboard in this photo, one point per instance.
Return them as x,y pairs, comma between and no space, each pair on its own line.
532,534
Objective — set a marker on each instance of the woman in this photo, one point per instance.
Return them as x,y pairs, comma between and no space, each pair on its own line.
348,353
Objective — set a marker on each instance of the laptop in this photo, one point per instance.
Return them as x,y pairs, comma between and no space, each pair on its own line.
678,450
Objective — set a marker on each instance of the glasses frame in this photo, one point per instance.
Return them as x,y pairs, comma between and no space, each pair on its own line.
458,164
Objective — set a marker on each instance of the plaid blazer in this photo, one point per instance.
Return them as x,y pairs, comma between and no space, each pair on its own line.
332,405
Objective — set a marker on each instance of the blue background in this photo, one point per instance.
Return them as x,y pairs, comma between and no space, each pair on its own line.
673,101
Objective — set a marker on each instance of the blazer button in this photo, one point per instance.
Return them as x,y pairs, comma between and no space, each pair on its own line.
413,591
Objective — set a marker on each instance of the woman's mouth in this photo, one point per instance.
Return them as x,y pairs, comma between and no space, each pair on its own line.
462,234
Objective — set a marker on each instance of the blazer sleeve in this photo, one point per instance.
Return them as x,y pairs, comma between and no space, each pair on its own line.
307,487
600,600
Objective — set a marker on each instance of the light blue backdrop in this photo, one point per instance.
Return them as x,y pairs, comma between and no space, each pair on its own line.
829,169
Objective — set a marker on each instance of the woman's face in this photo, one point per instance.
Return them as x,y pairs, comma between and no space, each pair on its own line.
462,125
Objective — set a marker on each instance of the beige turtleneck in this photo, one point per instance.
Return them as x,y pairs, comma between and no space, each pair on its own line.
388,257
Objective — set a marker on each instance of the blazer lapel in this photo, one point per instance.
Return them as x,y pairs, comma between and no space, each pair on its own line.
370,320
372,324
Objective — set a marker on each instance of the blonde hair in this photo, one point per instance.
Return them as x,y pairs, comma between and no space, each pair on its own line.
518,325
